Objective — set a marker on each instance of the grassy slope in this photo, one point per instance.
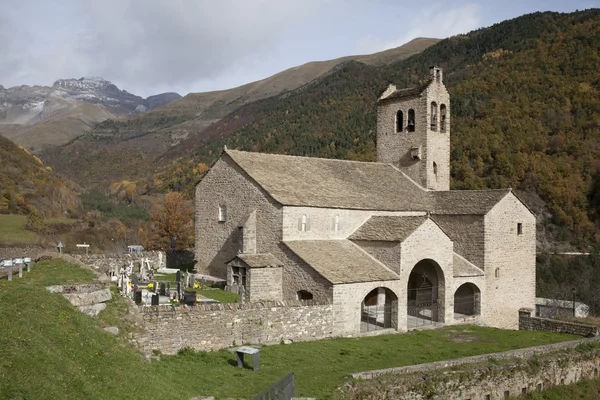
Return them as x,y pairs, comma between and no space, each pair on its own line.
49,350
13,233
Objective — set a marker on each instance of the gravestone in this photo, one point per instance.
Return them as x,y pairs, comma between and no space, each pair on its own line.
178,276
168,289
202,281
162,290
9,264
155,299
138,297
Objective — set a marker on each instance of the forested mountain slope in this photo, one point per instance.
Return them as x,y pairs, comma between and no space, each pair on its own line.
525,110
118,149
27,185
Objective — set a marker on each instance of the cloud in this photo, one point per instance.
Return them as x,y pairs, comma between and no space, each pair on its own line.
434,21
153,43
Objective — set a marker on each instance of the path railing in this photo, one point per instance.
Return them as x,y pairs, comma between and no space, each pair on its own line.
9,264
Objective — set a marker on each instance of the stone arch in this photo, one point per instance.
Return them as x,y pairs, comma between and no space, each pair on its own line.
443,118
399,121
304,295
426,294
379,310
467,300
434,110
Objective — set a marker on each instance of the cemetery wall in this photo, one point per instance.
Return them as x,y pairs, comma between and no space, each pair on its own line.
21,251
107,263
489,376
217,326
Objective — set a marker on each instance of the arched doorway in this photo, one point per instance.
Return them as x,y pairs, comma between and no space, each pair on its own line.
425,294
379,310
466,300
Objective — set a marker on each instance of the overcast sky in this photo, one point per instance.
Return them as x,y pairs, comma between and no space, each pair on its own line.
152,46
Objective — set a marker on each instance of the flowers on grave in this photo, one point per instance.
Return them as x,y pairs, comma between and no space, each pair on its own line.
150,285
173,302
196,286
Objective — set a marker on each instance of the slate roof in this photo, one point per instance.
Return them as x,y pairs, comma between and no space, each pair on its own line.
259,260
388,228
340,261
407,92
463,268
455,202
320,182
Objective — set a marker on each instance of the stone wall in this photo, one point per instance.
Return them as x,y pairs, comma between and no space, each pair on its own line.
217,326
22,251
488,376
509,262
107,263
529,323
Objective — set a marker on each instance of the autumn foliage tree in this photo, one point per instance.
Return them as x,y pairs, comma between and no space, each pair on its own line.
174,220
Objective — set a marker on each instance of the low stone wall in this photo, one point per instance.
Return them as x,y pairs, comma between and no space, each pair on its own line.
21,251
527,322
489,376
217,326
107,263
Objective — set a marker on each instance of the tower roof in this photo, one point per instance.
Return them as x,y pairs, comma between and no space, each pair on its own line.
407,92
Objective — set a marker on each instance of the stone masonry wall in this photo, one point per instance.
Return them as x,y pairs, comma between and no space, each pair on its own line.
217,242
512,256
264,283
529,323
107,263
218,326
394,147
484,377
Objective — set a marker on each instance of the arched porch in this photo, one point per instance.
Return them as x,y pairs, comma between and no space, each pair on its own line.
425,295
379,310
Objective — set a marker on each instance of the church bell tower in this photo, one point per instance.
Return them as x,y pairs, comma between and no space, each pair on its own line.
413,131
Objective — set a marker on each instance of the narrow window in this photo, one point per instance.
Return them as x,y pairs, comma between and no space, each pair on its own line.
519,228
222,213
336,223
524,390
435,170
433,116
443,118
488,397
562,381
497,272
303,223
410,127
399,121
506,394
540,387
438,75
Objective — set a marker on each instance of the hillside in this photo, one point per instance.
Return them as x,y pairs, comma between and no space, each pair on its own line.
113,142
525,112
27,185
37,116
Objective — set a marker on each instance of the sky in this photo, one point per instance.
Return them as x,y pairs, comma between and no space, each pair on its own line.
152,46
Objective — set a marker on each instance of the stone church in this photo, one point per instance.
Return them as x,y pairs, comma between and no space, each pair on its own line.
387,243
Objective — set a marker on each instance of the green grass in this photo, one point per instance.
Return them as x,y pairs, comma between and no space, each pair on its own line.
219,295
12,231
49,350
